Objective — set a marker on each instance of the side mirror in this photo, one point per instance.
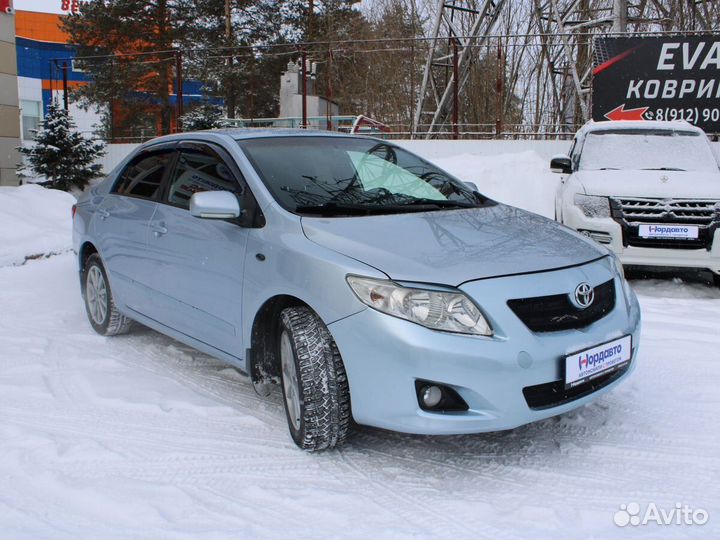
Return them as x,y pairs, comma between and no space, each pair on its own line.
472,186
214,205
561,164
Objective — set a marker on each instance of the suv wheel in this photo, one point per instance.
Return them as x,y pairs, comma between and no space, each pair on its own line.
104,317
314,383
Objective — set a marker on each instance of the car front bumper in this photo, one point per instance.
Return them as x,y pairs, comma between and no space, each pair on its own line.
645,256
384,356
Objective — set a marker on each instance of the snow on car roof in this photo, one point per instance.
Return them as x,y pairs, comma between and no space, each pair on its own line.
614,125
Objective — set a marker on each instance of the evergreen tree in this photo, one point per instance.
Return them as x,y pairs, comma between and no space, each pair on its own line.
248,80
143,35
61,154
204,116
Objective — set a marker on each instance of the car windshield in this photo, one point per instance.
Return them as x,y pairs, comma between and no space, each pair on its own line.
344,176
638,149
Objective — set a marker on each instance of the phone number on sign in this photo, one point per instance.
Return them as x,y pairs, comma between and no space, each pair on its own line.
690,114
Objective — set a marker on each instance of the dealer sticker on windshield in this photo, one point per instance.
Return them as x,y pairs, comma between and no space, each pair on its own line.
669,231
585,365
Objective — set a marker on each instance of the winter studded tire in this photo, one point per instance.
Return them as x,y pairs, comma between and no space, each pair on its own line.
104,317
315,386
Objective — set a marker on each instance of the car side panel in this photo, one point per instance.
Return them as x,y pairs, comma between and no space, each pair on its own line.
195,272
120,227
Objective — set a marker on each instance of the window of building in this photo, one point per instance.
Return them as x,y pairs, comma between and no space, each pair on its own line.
31,117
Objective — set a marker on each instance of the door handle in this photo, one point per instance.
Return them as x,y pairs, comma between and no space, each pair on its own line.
104,214
159,230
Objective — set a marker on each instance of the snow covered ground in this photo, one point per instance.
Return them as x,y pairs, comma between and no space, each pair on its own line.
139,436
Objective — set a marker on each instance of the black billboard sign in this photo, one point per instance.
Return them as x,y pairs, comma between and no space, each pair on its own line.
658,78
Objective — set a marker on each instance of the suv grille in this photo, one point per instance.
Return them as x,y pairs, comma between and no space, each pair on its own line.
553,394
631,212
557,312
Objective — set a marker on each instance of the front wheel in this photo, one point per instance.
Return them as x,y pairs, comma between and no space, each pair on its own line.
314,383
104,317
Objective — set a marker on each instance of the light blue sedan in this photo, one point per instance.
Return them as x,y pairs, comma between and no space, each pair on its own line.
366,282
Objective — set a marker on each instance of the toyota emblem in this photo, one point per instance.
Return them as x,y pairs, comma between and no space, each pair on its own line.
584,295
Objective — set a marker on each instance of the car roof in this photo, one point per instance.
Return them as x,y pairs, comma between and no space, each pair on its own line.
253,133
607,125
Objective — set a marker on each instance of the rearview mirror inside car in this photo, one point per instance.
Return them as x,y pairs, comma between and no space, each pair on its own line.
215,205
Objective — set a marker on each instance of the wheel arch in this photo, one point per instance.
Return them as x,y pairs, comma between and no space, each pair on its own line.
86,249
263,362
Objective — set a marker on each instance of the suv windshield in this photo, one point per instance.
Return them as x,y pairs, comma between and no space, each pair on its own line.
649,149
352,176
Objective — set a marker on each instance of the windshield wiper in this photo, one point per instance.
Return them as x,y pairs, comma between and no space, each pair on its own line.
443,203
663,169
333,208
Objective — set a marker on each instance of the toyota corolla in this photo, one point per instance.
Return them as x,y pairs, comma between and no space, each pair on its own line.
364,281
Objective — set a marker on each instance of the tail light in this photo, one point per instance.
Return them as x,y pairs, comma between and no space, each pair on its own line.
74,210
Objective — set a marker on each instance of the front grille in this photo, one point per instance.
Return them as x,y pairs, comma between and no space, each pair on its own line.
630,212
553,394
557,312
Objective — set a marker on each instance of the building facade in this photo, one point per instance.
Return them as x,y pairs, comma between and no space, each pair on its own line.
44,56
9,110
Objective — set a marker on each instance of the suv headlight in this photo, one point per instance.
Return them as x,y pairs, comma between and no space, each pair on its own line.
438,310
591,206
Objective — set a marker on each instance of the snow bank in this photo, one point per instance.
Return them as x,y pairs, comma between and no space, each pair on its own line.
522,179
34,222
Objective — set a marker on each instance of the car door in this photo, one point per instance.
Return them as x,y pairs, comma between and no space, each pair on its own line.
121,222
197,264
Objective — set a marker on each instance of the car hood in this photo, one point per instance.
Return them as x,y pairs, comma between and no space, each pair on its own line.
454,246
652,184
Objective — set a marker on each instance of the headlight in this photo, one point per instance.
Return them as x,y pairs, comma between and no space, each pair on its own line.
617,265
591,206
439,310
620,271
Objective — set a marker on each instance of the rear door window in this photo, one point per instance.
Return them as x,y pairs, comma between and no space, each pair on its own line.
144,174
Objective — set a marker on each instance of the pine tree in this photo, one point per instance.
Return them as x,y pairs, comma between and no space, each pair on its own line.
138,81
61,154
204,116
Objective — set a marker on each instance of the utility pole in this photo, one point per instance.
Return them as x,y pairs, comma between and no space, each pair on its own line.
620,16
455,89
499,90
311,12
328,89
179,85
65,85
303,74
230,91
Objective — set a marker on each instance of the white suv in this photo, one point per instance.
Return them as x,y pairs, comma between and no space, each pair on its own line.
649,191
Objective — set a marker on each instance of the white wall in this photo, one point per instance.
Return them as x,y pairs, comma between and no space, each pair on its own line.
485,147
115,153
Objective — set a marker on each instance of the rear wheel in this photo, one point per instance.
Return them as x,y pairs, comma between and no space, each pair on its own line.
314,383
104,317
716,278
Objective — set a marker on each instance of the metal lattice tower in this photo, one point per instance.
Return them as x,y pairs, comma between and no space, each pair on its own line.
459,30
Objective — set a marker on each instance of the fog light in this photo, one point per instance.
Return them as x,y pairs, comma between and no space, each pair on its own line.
438,398
431,396
598,236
